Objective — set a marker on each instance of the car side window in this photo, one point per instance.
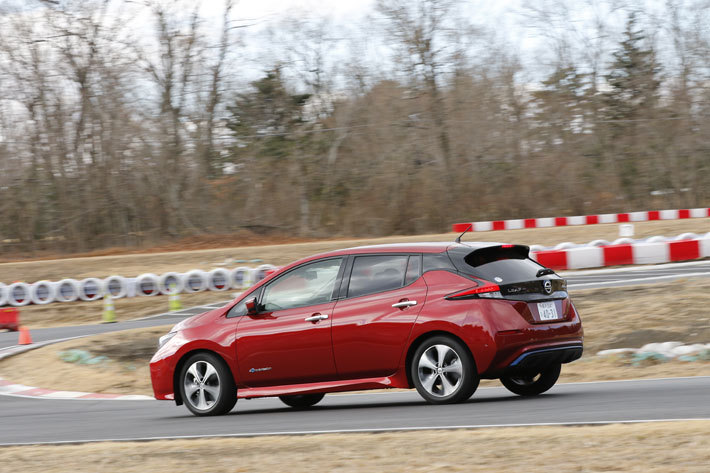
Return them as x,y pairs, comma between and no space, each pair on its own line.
310,284
414,269
238,310
380,273
241,308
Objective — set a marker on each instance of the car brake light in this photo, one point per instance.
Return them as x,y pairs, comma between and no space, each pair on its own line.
488,290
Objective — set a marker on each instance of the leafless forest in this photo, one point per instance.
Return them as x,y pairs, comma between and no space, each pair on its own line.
134,122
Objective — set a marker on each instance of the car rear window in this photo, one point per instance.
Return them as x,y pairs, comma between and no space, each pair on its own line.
500,264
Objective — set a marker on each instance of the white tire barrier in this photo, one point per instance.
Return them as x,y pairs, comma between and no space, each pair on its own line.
599,243
656,239
195,281
687,236
219,280
565,245
623,241
91,289
66,290
147,285
116,286
19,294
262,271
241,277
170,283
43,292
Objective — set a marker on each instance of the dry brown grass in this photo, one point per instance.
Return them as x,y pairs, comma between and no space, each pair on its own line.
635,315
651,448
134,264
613,317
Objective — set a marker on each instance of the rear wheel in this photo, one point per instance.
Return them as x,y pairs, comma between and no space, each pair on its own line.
207,386
443,371
302,400
534,383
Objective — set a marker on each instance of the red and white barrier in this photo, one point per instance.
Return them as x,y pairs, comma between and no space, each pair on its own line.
622,253
517,224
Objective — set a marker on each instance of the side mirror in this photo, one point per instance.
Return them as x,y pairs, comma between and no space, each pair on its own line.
252,307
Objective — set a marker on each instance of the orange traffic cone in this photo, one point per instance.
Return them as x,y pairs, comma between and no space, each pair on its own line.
25,338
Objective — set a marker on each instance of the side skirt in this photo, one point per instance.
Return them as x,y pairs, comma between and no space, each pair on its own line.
361,384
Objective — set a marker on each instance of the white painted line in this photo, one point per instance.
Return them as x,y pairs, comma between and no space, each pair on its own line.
363,431
47,397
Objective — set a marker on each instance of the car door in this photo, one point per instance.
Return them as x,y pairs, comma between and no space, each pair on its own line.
289,340
372,323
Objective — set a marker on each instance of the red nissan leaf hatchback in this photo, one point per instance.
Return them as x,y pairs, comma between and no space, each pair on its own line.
437,317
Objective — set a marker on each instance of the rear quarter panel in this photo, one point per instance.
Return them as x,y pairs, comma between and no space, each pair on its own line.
466,319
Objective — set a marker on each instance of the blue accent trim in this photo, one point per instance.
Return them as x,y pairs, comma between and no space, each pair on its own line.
541,350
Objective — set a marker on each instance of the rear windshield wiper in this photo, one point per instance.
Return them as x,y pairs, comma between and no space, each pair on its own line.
544,271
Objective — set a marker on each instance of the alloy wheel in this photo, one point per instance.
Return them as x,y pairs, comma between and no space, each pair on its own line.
440,370
202,385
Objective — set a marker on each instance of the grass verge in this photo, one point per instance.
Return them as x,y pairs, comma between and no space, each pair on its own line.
656,447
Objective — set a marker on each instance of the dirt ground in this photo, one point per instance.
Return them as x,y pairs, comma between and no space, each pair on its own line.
135,264
648,448
614,317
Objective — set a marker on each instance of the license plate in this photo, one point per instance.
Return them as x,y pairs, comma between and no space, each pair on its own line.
547,310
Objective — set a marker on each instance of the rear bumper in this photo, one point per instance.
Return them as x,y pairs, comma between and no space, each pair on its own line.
540,358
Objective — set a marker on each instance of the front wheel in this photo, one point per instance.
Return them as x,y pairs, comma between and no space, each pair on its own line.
532,384
443,371
207,386
302,400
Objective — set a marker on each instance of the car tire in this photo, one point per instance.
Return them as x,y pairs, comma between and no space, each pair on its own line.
207,386
443,371
533,384
301,401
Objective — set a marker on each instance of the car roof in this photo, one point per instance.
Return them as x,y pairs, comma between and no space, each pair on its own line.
414,247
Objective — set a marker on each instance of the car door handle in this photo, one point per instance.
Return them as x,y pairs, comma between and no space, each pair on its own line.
403,304
316,317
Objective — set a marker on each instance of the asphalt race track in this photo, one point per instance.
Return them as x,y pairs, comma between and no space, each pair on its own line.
32,420
36,420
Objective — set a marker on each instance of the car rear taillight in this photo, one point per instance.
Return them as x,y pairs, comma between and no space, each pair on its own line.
486,291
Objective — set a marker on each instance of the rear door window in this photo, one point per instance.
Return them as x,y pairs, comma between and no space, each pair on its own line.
379,273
